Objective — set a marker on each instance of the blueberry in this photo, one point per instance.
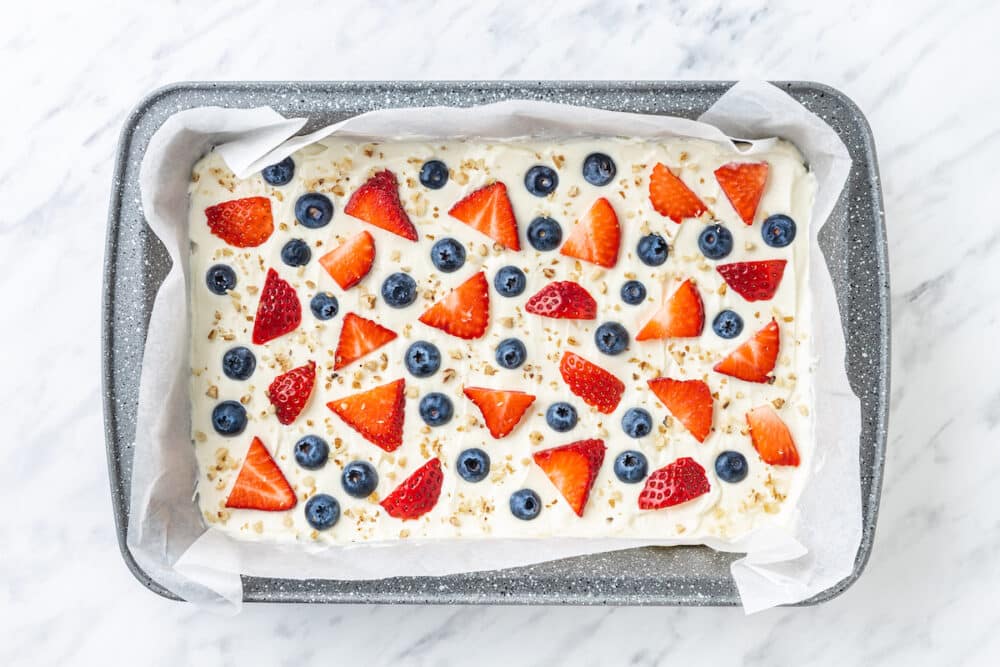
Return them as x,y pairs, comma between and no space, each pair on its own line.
324,306
434,174
510,281
511,353
541,180
359,479
598,169
652,250
279,173
220,279
311,452
637,423
473,465
611,338
399,290
715,242
633,292
238,363
731,467
448,255
561,417
422,359
525,504
436,409
778,231
544,234
322,511
727,324
631,466
229,418
314,210
296,253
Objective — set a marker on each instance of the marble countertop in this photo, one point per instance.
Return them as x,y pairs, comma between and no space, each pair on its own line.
73,70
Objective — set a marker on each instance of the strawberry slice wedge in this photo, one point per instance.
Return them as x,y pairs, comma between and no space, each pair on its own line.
754,281
671,198
358,338
488,210
501,410
564,300
244,223
289,392
572,469
681,316
596,236
673,484
418,494
377,414
377,203
689,401
278,311
465,312
753,360
597,387
771,437
351,261
260,485
743,183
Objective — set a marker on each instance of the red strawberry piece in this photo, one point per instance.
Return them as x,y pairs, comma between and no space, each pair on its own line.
418,494
289,392
689,401
244,223
754,359
680,316
673,484
597,387
488,210
501,410
670,197
771,437
351,261
465,312
563,300
743,183
377,414
572,469
358,337
596,237
377,203
278,312
754,281
260,484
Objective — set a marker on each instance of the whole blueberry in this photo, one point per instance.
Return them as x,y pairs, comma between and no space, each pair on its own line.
611,338
727,324
544,234
220,279
715,242
511,353
541,180
229,418
598,169
436,409
434,174
448,255
422,359
525,504
296,253
399,290
311,452
633,292
314,210
509,281
561,417
359,479
322,511
637,423
778,230
731,467
238,363
473,465
652,250
631,466
279,173
324,306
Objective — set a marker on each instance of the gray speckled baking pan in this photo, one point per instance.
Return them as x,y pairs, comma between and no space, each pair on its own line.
854,244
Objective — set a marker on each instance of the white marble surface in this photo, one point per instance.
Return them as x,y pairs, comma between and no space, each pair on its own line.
925,76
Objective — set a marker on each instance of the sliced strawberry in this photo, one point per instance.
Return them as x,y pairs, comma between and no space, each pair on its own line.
358,337
597,387
377,203
488,210
670,197
278,312
351,261
465,312
754,281
689,401
680,316
572,469
771,437
244,223
673,484
563,300
377,414
501,410
418,494
260,484
743,183
289,392
754,359
596,237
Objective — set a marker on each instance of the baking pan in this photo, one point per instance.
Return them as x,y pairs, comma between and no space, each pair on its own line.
854,245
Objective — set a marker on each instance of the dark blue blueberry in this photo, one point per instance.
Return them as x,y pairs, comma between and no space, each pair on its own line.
314,210
296,253
510,281
311,452
434,174
525,504
544,234
229,418
561,417
633,292
359,479
637,423
473,465
598,169
422,359
611,338
778,231
220,279
727,324
731,467
631,466
324,306
448,255
280,173
399,290
541,180
322,511
715,242
436,409
511,353
238,363
652,250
